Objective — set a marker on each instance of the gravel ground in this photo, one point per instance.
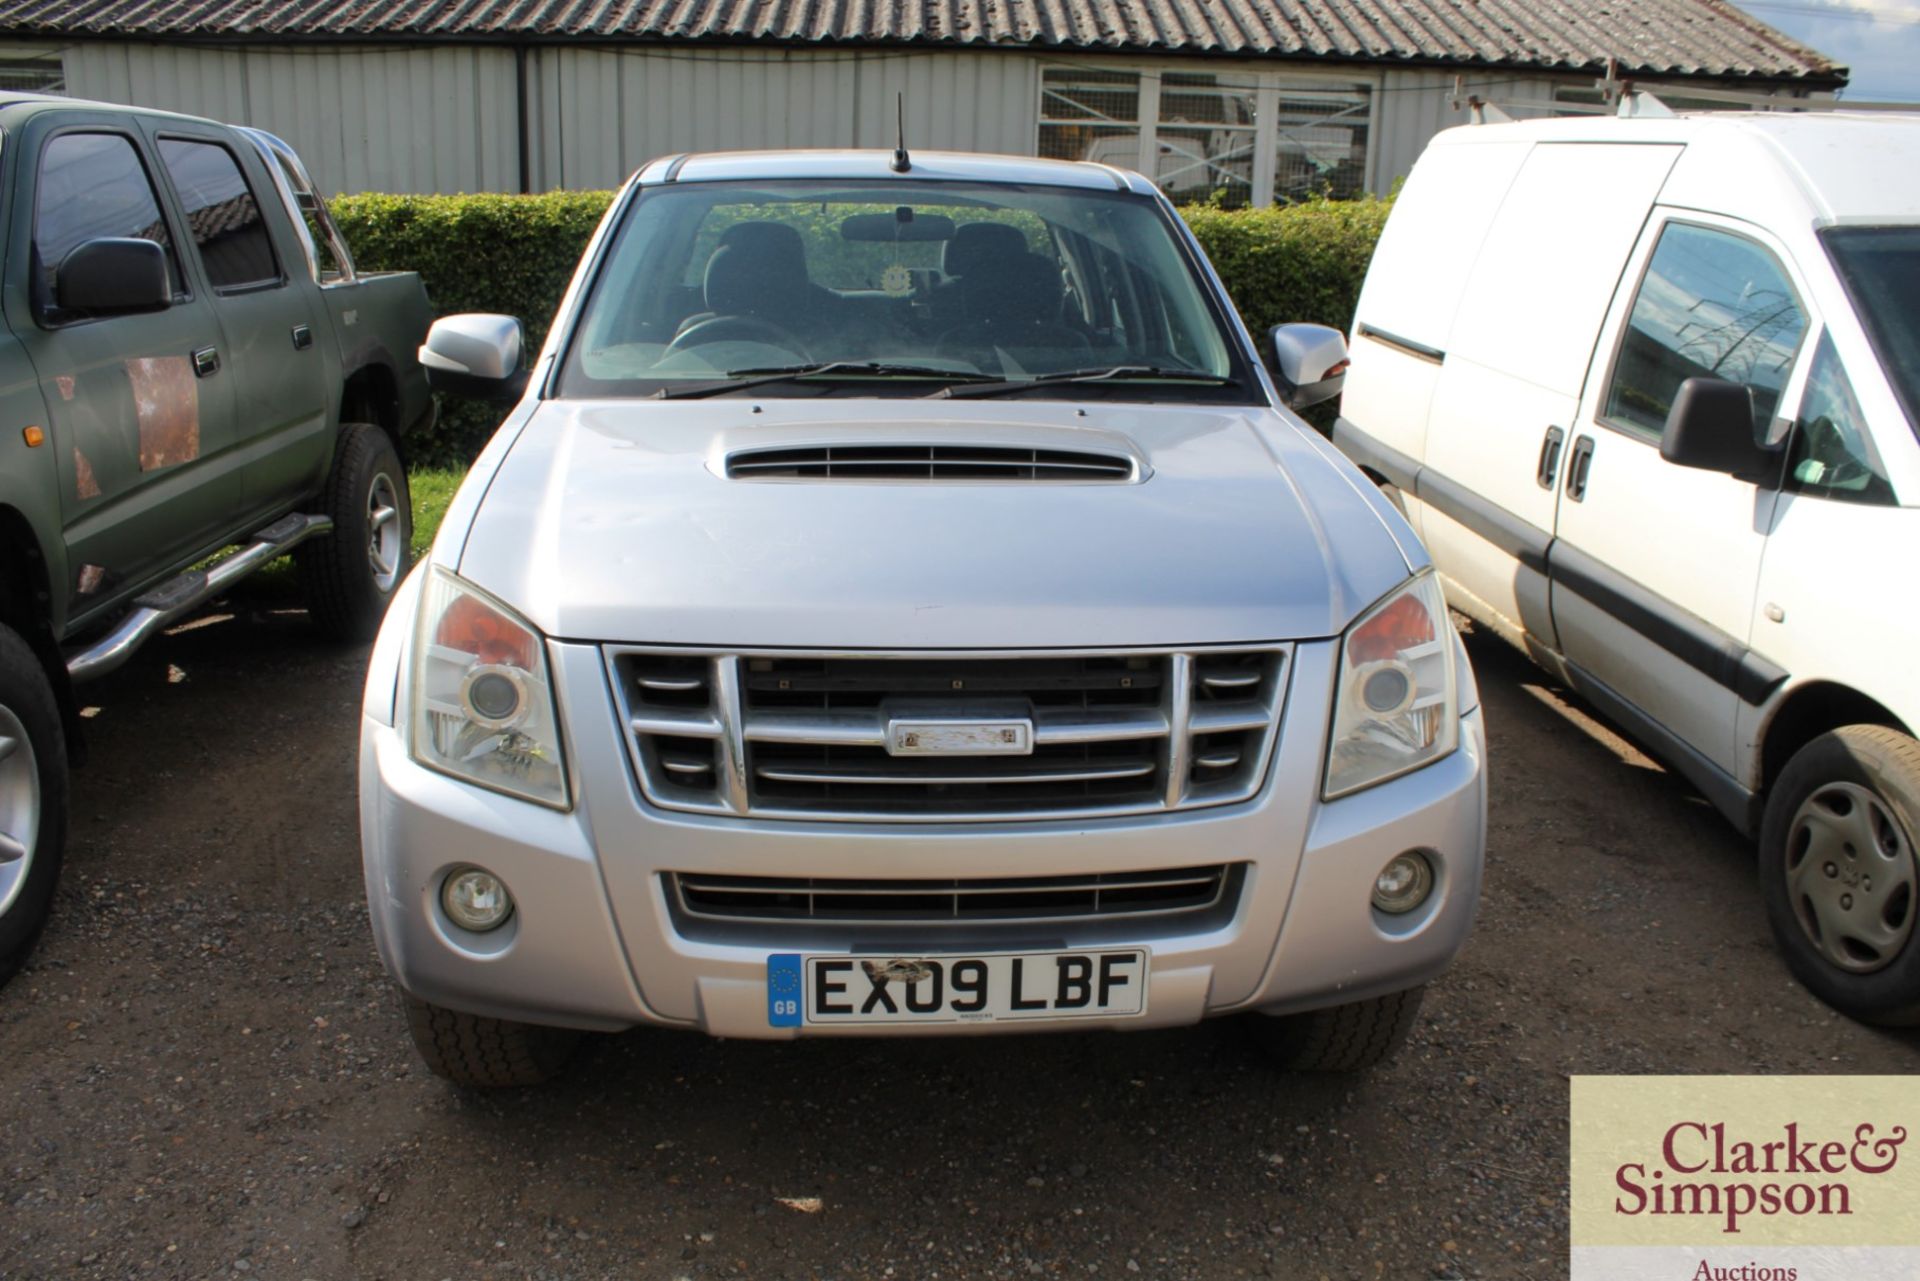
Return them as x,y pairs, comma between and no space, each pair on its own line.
203,1072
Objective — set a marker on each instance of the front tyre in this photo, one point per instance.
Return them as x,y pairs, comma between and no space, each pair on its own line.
1344,1038
350,575
484,1053
1838,871
33,800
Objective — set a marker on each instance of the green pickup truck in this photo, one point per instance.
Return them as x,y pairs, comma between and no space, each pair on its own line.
189,366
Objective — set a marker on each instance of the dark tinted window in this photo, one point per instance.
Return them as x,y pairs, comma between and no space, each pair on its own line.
221,213
1832,456
92,185
1880,267
1712,305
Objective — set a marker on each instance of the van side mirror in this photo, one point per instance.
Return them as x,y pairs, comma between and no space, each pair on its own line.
1710,426
1312,361
113,274
476,355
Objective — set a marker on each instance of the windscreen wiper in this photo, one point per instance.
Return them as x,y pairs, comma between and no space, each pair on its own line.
743,379
1113,373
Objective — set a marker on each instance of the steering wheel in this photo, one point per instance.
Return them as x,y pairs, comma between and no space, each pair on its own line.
738,329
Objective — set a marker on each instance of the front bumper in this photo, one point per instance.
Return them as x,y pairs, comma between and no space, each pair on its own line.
595,944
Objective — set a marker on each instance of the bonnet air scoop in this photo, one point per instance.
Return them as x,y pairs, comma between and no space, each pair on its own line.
870,461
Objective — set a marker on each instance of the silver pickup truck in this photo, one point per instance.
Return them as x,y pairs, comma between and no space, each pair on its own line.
189,363
901,603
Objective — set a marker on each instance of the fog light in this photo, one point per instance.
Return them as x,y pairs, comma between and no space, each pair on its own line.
1403,884
476,900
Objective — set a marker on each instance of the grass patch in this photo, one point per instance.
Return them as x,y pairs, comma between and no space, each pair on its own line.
432,490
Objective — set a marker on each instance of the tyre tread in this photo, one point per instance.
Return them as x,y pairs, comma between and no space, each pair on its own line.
333,567
1343,1038
485,1053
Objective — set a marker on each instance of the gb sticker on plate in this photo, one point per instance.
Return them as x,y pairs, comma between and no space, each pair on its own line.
783,989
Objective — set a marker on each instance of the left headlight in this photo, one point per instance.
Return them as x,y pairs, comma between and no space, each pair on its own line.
483,704
1396,704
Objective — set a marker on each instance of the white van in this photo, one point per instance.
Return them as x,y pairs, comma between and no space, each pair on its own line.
1648,386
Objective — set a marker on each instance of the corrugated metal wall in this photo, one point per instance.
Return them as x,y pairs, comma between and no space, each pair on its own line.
600,114
445,119
439,119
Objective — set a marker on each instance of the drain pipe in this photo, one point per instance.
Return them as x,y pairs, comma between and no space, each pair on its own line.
525,113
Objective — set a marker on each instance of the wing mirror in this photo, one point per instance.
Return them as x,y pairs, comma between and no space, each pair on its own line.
113,274
1710,426
476,355
1312,361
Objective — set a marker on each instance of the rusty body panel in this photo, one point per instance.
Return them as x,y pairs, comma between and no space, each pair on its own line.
166,401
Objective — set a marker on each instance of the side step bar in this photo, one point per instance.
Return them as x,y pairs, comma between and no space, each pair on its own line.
179,594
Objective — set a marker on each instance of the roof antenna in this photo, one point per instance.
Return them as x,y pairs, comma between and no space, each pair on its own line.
900,161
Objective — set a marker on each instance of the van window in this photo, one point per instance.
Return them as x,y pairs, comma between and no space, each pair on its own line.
1831,455
1880,267
1712,305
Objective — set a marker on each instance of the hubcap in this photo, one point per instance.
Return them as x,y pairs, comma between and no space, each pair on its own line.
19,807
383,531
1850,872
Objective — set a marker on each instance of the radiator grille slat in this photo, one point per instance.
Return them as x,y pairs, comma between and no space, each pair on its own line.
809,736
1160,892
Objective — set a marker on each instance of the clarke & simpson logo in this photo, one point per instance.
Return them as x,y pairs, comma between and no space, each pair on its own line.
1705,1171
1725,1178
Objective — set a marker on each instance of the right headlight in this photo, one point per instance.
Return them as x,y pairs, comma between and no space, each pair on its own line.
483,704
1396,703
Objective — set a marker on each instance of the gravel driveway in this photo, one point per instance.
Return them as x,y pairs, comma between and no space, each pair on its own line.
203,1073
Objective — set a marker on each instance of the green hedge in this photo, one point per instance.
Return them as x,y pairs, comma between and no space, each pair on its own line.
514,254
511,254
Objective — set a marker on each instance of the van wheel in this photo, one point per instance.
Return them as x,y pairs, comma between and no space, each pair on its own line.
488,1054
350,575
1838,871
1345,1038
33,800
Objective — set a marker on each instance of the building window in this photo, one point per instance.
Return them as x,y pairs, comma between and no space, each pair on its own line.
1090,115
1320,143
1206,140
33,75
1235,138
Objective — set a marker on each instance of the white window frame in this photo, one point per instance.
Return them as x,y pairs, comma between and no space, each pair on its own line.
1270,85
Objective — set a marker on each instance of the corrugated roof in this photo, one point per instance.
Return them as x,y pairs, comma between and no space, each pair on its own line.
1675,37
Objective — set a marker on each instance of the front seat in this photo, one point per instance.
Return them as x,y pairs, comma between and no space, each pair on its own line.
1013,300
758,272
974,248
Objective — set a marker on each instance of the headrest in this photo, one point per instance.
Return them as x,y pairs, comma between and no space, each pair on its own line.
978,243
1020,287
759,268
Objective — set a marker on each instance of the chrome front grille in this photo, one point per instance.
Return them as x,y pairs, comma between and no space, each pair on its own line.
1161,892
823,736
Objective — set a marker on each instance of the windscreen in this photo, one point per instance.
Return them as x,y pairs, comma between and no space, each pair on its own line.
1880,267
905,279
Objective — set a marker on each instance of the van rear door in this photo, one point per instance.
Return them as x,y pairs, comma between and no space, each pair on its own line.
1407,305
1515,363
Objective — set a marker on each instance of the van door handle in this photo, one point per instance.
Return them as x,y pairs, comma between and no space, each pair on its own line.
302,337
1549,457
1577,465
206,362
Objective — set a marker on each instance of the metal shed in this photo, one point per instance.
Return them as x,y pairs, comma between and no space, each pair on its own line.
1248,101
